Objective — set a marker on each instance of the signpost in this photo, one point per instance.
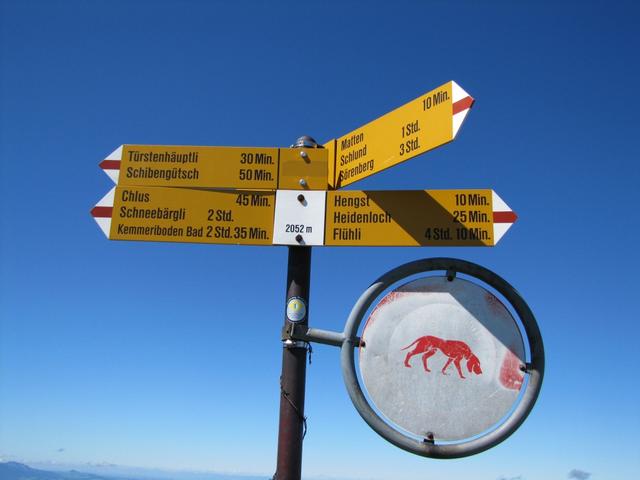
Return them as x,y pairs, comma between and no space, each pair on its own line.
288,196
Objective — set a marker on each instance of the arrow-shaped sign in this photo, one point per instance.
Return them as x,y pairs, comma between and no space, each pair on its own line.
218,167
423,124
314,218
161,214
416,218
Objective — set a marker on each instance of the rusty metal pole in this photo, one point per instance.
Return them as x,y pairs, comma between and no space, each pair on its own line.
294,366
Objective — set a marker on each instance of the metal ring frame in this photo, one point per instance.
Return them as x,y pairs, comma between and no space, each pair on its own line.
427,448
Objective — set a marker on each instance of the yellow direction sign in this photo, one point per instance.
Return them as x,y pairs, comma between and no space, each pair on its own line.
287,217
218,167
416,218
165,214
423,124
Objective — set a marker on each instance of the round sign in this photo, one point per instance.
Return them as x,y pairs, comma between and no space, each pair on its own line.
442,358
448,370
296,309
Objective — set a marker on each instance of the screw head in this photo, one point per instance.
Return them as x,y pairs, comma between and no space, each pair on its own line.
301,198
303,154
299,238
302,182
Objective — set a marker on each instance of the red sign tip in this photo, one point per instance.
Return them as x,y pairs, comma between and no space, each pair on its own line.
110,164
102,212
504,217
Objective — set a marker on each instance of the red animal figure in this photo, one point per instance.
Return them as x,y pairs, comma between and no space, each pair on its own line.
454,349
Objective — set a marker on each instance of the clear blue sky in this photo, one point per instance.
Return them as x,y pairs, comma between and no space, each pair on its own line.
168,355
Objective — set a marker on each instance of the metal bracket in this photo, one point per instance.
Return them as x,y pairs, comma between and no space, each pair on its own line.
287,333
292,332
526,367
295,344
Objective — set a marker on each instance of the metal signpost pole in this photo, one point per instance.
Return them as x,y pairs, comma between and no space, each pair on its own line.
292,426
294,359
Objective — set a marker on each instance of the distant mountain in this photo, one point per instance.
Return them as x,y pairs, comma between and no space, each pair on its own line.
19,471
